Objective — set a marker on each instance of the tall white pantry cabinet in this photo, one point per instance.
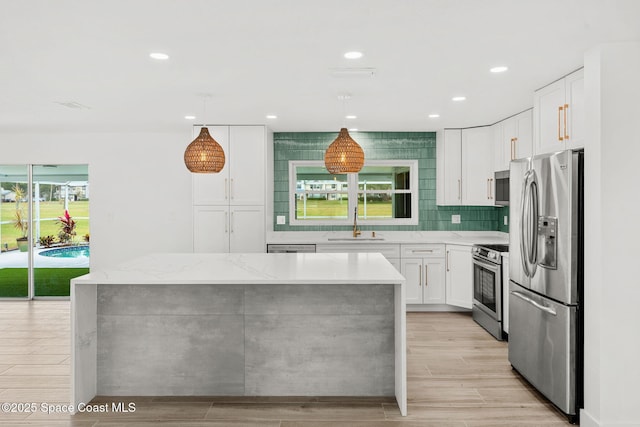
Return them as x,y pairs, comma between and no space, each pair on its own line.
229,212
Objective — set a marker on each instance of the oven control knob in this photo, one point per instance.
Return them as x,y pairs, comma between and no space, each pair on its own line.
492,255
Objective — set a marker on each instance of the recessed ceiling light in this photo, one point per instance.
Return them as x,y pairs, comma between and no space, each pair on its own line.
458,98
353,55
353,130
271,116
434,116
350,117
159,55
190,117
500,69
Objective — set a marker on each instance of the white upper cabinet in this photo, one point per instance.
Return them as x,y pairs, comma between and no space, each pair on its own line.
477,166
575,112
465,167
241,181
512,139
212,188
558,115
247,165
449,167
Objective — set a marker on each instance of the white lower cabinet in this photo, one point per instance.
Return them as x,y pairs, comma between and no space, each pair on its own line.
459,276
423,268
229,229
436,274
425,280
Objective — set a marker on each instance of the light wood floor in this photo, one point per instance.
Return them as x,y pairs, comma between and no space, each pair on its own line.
458,376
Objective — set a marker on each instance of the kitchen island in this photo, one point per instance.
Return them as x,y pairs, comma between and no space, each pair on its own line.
240,325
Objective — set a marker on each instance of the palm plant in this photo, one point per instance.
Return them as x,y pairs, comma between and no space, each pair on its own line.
67,227
21,223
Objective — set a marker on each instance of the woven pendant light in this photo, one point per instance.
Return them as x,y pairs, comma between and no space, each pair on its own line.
344,155
204,154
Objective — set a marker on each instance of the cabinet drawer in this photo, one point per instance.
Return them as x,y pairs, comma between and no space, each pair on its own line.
422,250
388,250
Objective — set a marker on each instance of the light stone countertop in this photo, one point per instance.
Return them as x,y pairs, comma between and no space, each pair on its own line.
397,237
250,268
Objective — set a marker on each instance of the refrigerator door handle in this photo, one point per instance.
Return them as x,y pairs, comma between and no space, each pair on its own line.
523,224
534,303
533,218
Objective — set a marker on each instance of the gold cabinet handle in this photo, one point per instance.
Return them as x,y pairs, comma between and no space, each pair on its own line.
566,108
490,188
512,148
426,275
488,195
226,222
560,108
419,274
515,148
447,261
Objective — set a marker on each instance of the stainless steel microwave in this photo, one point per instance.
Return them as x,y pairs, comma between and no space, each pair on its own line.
502,188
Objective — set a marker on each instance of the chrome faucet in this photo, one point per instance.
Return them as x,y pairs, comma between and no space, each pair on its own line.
356,232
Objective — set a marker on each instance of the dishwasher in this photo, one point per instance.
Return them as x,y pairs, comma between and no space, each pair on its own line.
283,249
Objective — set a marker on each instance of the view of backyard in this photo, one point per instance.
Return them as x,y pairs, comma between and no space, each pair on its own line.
383,192
59,224
49,226
322,208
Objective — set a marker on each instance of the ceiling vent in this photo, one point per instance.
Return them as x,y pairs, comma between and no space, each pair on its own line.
358,73
74,105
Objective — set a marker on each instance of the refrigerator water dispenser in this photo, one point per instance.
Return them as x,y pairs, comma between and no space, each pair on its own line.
547,243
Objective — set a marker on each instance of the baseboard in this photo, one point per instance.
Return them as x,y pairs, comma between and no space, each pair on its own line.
436,307
586,420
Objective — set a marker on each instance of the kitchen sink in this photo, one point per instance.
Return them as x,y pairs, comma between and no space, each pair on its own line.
354,239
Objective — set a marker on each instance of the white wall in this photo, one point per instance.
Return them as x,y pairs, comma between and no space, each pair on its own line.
140,189
612,233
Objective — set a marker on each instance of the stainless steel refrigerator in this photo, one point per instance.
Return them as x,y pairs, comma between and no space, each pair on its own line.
546,275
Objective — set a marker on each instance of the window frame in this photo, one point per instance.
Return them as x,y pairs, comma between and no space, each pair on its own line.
352,195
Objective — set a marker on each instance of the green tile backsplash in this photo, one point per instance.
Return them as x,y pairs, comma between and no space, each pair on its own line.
380,146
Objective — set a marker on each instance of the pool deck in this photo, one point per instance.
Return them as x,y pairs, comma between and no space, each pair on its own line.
17,259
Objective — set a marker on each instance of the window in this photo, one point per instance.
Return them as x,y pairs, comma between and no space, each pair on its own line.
385,192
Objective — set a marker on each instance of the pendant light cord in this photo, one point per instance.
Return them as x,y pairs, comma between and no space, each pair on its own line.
344,111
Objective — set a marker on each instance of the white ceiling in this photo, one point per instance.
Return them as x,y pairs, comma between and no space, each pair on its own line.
258,57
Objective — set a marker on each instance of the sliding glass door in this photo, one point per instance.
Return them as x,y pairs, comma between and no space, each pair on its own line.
14,230
53,203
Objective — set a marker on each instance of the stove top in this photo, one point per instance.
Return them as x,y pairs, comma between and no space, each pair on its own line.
496,247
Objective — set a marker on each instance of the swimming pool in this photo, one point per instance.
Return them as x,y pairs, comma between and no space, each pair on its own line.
67,252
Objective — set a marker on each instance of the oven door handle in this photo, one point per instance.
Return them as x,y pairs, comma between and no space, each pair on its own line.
533,303
491,267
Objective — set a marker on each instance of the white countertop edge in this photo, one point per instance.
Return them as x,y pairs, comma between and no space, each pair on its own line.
387,237
79,281
248,268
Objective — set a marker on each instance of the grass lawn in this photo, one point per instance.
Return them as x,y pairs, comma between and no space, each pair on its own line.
49,212
338,208
48,281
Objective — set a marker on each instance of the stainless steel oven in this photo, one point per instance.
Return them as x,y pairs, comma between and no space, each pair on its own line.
487,287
